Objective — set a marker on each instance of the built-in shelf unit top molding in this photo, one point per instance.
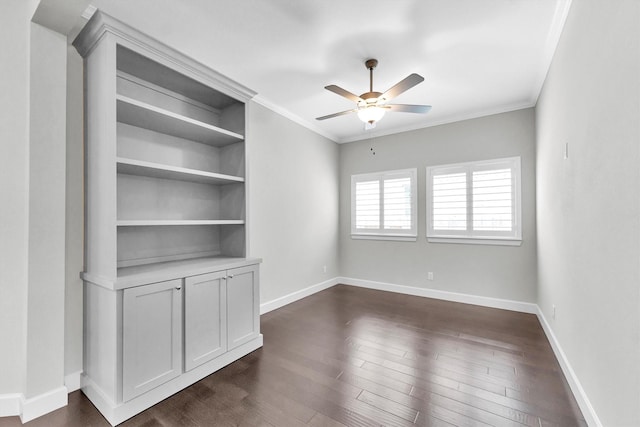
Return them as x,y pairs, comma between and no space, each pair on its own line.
101,24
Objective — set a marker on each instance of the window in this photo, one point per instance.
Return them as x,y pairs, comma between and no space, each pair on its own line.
476,202
383,205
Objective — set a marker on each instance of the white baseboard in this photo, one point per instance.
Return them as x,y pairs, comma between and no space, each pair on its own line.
505,304
295,296
14,404
44,403
10,404
581,397
72,381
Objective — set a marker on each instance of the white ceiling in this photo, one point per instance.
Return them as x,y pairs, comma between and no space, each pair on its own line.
478,57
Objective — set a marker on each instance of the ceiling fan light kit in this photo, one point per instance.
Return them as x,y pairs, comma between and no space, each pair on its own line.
371,106
371,114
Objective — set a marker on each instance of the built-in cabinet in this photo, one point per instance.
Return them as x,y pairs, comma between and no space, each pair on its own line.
171,294
242,288
206,319
151,336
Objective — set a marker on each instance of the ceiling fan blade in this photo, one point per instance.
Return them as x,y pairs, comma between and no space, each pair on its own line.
341,113
405,84
343,92
405,108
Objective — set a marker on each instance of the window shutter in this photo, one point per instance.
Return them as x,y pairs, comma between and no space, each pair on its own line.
450,201
492,200
368,205
383,205
475,202
397,204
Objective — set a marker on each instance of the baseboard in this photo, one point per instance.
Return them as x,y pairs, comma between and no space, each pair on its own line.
295,296
72,381
10,404
37,406
505,304
14,404
581,397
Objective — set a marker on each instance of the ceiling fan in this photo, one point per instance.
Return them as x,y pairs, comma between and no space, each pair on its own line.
371,106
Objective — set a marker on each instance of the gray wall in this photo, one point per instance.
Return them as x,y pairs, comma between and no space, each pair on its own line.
588,206
74,227
14,187
293,203
32,172
47,142
505,272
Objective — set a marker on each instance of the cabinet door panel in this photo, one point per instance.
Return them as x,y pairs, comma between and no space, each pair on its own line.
205,318
152,336
243,301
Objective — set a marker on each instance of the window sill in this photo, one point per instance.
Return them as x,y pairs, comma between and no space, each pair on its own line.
475,241
384,237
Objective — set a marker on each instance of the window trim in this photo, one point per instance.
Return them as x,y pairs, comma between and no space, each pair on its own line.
381,233
512,238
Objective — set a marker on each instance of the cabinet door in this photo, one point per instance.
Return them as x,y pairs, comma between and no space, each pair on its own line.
152,336
243,305
205,318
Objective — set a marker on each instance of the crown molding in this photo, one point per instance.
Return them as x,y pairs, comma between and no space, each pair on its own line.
551,44
101,24
443,121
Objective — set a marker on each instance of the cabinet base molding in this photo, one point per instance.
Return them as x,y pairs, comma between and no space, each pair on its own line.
118,413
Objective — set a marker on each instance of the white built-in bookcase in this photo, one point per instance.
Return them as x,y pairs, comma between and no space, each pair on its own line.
170,293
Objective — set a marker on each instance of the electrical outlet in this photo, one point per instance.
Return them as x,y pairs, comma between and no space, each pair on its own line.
566,150
554,312
324,268
430,275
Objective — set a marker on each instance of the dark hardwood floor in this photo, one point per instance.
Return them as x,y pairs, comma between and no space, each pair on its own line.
358,357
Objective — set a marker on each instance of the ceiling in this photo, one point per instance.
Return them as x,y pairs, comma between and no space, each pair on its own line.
478,57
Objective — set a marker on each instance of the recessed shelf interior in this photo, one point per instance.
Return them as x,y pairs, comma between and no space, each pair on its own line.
180,166
149,198
155,73
147,116
136,143
141,245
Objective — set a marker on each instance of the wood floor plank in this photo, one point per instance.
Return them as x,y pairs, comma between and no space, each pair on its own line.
320,420
389,405
349,356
